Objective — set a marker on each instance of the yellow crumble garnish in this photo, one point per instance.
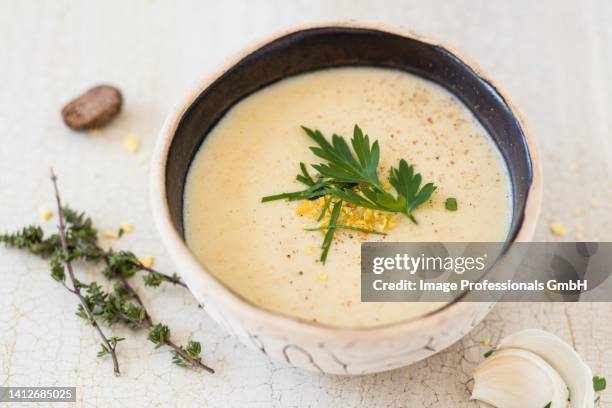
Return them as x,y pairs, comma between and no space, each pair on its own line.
110,234
350,215
310,249
127,228
147,261
45,213
131,142
323,277
558,229
486,342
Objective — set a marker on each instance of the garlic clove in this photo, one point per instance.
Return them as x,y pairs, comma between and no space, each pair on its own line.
562,357
514,378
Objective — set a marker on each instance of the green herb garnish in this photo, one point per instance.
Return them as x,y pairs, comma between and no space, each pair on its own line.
351,176
331,229
346,227
490,352
451,204
599,383
548,405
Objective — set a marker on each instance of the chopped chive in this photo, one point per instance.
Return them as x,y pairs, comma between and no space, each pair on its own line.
599,383
325,207
346,227
329,235
451,204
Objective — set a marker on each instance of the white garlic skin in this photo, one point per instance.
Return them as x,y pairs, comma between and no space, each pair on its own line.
515,378
562,357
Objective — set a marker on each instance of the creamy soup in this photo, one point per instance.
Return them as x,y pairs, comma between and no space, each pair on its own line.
261,250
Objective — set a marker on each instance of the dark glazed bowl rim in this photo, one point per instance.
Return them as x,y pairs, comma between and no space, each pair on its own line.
205,286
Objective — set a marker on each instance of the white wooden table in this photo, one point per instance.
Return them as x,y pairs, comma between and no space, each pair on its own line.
553,57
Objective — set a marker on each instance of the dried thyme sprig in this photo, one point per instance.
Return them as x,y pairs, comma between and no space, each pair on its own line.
77,239
188,358
127,263
63,254
82,244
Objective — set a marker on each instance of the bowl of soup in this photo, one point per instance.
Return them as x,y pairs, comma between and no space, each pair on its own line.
258,268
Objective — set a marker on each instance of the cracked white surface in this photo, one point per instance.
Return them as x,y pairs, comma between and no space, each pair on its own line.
554,58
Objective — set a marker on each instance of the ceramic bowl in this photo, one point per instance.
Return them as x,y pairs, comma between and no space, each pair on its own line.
306,344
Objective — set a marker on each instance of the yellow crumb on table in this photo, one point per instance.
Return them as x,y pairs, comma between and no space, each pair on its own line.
110,234
558,229
323,277
127,227
45,213
131,142
486,342
147,261
595,203
310,249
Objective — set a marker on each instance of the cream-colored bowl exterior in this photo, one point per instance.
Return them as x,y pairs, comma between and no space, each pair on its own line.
303,344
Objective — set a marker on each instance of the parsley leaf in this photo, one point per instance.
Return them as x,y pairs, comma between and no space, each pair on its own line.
342,166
